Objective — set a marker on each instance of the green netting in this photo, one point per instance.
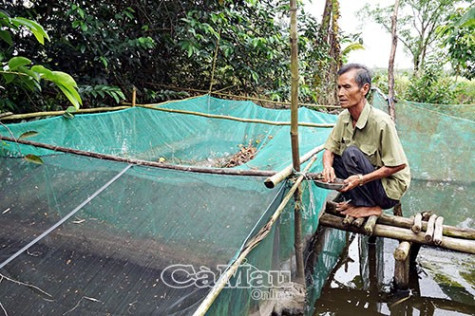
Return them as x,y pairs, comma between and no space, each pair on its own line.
439,146
114,254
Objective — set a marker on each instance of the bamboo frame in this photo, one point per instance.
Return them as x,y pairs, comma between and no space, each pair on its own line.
222,171
404,234
251,244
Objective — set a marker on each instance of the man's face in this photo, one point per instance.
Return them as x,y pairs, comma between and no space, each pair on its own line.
349,93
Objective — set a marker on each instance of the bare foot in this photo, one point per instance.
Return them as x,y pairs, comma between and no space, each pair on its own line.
361,211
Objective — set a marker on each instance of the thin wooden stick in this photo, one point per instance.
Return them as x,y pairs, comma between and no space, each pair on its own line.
430,228
251,244
272,181
232,118
437,239
223,171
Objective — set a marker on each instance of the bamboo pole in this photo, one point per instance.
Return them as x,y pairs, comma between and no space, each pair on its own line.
251,244
232,118
272,181
404,234
417,226
369,226
222,171
430,228
402,265
58,113
437,239
392,111
402,251
134,96
294,137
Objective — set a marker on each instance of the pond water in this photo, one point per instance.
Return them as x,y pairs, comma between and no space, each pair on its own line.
442,283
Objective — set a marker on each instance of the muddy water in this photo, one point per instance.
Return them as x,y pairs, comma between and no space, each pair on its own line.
442,283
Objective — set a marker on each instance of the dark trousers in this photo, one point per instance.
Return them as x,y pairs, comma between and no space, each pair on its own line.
352,162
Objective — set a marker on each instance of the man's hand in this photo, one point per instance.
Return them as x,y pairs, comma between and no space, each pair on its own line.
351,183
328,174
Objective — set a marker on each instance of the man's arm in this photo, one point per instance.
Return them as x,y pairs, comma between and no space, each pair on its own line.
383,172
328,171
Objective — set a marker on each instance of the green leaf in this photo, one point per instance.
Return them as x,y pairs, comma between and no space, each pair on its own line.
44,72
34,159
35,28
28,134
63,78
71,94
9,78
6,36
16,62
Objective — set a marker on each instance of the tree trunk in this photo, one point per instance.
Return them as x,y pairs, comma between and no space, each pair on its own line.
391,102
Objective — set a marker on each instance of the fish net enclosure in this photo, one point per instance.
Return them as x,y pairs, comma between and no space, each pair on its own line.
83,235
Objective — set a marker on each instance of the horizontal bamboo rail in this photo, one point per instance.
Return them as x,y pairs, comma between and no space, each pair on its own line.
403,234
232,118
58,113
222,171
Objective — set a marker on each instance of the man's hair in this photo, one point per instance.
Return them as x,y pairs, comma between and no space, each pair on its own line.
363,75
